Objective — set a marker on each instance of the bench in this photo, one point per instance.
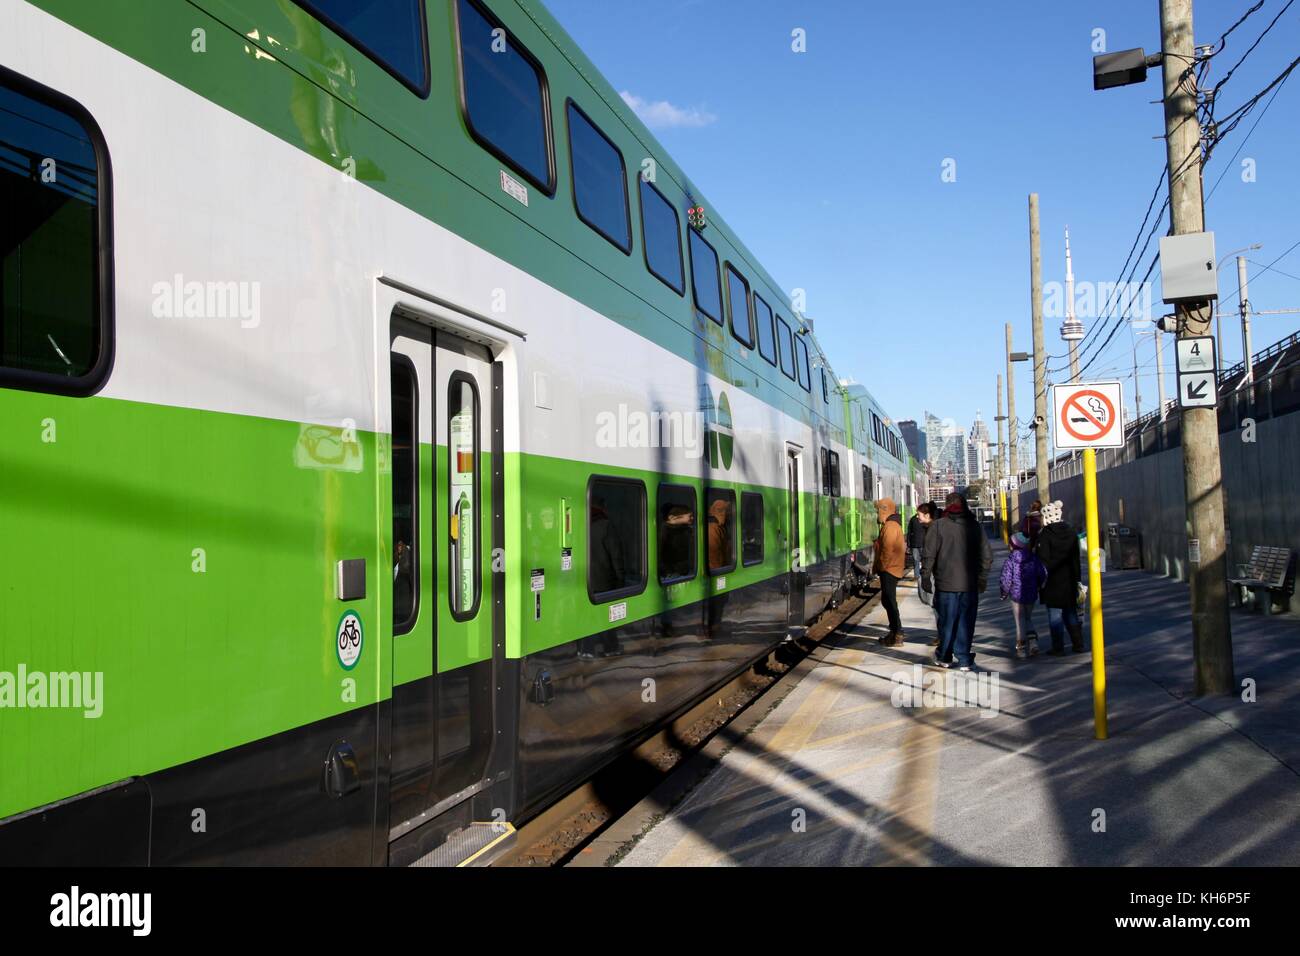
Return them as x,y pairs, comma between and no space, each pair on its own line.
1270,570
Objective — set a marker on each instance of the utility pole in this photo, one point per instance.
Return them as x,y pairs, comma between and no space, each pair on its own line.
1000,501
1244,308
1042,466
1160,372
1012,434
1202,478
1137,387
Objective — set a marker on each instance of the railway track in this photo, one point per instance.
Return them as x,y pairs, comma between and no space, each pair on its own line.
565,832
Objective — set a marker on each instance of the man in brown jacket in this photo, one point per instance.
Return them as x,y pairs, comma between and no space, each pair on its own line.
891,551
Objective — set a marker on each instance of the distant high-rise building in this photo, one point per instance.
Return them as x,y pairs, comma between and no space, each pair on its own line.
946,445
914,438
977,455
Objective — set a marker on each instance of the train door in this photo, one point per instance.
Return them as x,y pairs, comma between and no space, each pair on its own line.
795,555
444,473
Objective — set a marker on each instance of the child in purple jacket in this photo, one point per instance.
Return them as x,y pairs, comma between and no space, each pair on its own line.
1023,575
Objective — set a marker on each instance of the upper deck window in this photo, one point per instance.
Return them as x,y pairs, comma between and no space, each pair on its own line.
662,236
763,319
390,32
506,102
599,180
738,306
55,246
785,341
704,278
805,374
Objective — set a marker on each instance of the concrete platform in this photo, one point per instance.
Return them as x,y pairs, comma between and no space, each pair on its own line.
844,771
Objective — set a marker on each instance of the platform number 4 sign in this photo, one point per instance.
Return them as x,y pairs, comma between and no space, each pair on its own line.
1198,384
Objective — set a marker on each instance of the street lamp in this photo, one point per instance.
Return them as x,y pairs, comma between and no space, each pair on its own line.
1218,323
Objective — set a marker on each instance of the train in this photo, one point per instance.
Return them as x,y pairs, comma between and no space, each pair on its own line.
394,434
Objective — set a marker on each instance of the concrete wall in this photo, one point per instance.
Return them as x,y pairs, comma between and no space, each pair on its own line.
1261,481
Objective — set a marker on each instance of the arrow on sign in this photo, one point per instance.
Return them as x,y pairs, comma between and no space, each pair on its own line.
1197,389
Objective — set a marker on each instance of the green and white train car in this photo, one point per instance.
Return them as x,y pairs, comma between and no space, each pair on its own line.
390,437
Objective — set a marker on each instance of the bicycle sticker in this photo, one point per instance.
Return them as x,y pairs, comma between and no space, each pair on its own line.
349,640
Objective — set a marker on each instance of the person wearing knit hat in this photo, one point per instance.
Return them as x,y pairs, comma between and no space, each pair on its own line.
1053,512
1058,549
1022,577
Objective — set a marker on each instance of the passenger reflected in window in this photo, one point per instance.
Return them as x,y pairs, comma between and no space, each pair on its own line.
677,533
616,551
722,549
607,567
677,544
722,553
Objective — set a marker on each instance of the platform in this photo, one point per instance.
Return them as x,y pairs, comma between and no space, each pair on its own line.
839,774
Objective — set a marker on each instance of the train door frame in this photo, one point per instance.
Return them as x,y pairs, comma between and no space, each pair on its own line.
401,309
796,556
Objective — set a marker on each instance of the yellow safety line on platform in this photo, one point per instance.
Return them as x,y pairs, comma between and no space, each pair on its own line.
696,847
911,805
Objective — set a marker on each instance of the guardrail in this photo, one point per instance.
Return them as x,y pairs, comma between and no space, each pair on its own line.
1275,391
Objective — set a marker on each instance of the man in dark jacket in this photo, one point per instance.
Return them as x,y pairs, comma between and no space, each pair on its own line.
1058,549
917,526
957,553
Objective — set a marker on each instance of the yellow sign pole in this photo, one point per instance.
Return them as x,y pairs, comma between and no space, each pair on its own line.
1006,537
1094,594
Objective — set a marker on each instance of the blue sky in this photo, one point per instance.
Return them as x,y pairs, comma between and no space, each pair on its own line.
829,164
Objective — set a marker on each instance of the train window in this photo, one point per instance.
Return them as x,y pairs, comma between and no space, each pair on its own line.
826,394
704,278
390,32
599,180
866,483
801,366
835,474
661,236
785,345
751,528
464,567
616,534
720,507
505,97
55,243
406,490
678,550
738,306
763,319
826,471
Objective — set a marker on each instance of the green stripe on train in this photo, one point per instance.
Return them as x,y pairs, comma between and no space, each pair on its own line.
189,558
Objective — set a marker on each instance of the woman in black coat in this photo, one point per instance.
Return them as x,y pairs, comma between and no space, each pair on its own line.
1058,549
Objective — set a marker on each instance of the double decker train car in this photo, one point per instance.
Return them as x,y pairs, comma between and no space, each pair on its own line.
393,435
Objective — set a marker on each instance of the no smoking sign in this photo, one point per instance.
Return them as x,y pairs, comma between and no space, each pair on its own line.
1088,415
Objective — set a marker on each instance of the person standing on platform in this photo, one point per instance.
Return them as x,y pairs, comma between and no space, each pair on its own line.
1032,523
891,557
1023,576
917,526
957,553
1058,549
917,529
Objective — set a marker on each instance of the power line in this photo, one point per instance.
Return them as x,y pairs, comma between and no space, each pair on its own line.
1251,49
1242,145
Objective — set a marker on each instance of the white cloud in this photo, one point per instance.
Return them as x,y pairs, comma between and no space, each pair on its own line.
663,115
